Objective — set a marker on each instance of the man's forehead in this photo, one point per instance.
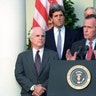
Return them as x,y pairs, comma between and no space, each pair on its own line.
38,33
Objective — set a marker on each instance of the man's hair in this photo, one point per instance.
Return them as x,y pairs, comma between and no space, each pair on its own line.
36,28
90,16
88,8
55,8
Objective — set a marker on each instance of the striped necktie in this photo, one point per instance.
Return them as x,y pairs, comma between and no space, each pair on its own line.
37,61
89,53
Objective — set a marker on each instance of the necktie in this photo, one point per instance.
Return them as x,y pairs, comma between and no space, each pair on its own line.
89,53
37,61
59,44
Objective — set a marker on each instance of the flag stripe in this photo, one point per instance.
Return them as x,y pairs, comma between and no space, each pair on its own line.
43,10
35,23
53,1
39,19
46,5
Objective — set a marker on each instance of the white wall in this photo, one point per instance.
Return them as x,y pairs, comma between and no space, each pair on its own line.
94,3
29,15
80,6
12,42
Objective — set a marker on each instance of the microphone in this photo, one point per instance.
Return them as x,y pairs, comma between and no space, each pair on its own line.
79,49
81,53
86,48
78,57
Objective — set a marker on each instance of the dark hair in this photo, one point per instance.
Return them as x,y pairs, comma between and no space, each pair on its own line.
90,16
55,8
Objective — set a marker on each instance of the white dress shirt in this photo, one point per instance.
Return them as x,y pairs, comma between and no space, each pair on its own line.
40,53
93,43
56,32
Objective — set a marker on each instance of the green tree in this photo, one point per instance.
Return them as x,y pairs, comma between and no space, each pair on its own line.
70,16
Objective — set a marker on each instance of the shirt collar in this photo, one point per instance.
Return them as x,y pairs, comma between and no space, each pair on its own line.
40,53
40,50
56,29
93,42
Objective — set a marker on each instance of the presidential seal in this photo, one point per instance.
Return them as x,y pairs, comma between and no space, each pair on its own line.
78,77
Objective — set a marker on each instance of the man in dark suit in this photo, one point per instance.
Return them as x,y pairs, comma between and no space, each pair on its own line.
68,36
33,78
87,11
81,49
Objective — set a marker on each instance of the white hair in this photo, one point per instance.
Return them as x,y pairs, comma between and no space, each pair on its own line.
88,8
36,28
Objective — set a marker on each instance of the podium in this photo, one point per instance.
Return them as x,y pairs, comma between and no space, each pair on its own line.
63,78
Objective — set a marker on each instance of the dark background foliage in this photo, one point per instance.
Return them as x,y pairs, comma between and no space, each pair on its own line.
70,16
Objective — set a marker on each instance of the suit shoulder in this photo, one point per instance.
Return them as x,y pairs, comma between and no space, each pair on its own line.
51,52
25,52
69,29
50,30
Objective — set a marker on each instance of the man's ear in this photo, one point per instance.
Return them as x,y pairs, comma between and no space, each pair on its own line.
30,38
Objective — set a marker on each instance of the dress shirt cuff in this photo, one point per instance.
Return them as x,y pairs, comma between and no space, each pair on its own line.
32,88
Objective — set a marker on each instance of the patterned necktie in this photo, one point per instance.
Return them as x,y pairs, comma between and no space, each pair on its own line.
89,53
37,61
59,44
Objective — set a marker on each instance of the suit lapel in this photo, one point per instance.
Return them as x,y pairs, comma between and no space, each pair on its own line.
83,43
68,41
52,39
31,62
65,44
93,56
44,60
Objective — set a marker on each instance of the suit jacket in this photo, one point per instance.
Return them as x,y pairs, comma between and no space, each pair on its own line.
79,32
26,74
83,51
70,37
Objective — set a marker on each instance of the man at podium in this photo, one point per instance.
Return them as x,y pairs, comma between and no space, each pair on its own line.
85,49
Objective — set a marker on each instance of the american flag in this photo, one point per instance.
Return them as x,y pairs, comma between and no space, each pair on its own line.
41,12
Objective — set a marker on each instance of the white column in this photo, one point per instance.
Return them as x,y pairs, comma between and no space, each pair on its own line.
12,42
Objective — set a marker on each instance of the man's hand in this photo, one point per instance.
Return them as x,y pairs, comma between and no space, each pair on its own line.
69,55
39,90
